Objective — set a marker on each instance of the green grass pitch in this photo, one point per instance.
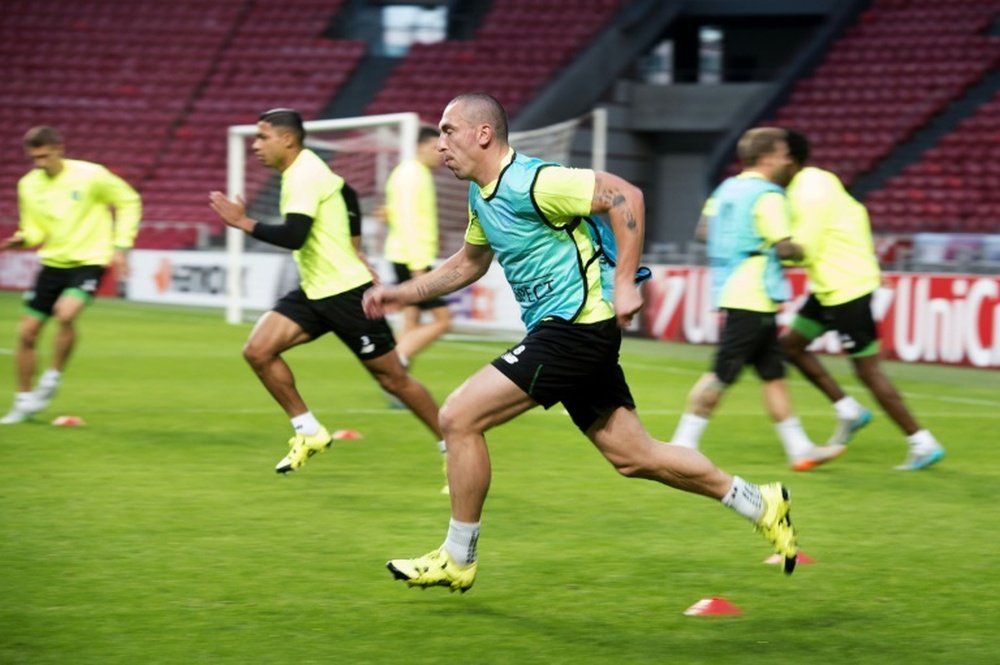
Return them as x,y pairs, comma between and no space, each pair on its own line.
159,533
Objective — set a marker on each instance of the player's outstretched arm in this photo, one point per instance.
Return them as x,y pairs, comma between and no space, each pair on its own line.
13,242
232,211
701,230
290,234
461,269
788,250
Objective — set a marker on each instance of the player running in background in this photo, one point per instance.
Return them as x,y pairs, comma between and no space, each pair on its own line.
536,218
843,273
333,278
83,218
747,227
411,242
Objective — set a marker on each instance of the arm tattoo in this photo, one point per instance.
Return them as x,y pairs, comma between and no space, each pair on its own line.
440,284
615,199
630,220
611,198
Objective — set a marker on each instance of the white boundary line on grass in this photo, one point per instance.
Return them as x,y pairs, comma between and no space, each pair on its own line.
956,400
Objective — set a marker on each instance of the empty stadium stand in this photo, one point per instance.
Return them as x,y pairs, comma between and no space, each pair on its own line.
274,57
148,89
953,187
518,47
899,65
112,77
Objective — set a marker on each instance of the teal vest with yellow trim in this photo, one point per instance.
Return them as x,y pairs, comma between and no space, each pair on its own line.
547,266
733,239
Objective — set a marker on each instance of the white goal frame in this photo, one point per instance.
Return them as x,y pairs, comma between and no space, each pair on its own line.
408,125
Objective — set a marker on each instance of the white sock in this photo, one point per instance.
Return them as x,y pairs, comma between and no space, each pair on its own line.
744,498
689,431
847,408
922,440
25,397
50,377
305,424
443,447
461,541
793,438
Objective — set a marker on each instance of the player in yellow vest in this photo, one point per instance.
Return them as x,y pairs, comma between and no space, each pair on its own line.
83,218
843,273
333,278
411,242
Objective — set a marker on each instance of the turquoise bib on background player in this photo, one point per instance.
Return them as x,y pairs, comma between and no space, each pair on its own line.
732,238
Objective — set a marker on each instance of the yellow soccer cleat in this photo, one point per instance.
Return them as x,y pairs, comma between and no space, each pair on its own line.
434,569
776,523
301,448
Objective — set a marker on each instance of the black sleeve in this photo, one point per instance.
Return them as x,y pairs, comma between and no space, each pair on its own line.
353,209
290,235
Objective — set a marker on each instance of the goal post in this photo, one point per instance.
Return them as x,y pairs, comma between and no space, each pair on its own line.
381,140
364,150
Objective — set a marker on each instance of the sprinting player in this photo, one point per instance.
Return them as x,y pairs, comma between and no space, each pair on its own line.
333,278
83,218
747,228
843,273
411,242
536,218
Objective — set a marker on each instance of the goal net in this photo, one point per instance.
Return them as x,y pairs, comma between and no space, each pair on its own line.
364,150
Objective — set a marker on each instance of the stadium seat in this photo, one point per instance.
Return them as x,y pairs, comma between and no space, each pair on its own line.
960,172
533,39
891,72
127,84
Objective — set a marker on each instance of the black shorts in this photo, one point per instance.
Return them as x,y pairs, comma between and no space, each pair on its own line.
576,364
53,282
853,321
342,315
403,274
749,338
